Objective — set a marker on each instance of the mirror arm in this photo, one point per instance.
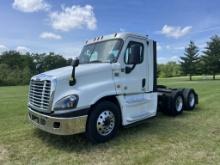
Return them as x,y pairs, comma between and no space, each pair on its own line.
129,69
39,68
72,80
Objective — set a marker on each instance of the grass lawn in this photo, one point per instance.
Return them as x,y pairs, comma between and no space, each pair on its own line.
191,138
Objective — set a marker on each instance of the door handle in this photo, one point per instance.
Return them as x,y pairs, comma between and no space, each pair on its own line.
143,82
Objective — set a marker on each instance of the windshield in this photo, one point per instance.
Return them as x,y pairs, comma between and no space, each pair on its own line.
101,52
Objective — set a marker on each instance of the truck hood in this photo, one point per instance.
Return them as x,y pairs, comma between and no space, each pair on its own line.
81,70
92,81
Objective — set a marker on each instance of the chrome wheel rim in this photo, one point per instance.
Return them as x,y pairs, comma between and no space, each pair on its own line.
105,123
179,103
191,100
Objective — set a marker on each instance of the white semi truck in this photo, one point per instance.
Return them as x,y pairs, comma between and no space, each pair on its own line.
112,83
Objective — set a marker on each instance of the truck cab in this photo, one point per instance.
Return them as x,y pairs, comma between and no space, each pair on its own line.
111,84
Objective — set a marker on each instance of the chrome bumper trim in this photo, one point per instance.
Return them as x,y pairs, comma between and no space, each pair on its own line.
58,126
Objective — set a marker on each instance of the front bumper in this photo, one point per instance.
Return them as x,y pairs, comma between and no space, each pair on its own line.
58,125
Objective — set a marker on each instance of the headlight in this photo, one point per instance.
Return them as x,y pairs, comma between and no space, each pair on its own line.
67,102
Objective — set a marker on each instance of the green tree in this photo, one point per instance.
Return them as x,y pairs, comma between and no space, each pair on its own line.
4,71
15,59
50,61
10,76
171,69
211,56
53,61
17,69
26,75
190,60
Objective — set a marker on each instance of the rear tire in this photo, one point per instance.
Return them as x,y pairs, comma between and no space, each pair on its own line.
189,99
175,105
103,122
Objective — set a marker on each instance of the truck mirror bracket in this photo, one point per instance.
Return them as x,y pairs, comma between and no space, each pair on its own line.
129,69
72,80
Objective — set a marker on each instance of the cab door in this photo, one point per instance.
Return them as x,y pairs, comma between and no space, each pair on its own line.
136,98
134,63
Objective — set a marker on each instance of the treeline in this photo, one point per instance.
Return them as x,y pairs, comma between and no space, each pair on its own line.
170,69
194,61
17,68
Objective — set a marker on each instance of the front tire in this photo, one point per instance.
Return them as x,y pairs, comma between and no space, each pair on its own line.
103,122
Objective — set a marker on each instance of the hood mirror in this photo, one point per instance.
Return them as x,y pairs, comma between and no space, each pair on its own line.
39,68
75,63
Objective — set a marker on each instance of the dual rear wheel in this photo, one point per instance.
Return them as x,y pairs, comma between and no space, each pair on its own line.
180,100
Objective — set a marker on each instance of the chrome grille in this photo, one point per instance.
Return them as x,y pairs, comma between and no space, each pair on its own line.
39,94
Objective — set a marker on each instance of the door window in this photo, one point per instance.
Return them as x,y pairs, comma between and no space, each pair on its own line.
134,48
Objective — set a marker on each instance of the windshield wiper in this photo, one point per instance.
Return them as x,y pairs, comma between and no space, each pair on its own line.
95,61
98,61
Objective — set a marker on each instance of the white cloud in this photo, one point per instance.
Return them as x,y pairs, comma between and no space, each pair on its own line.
30,5
22,49
75,17
49,35
175,31
3,48
164,60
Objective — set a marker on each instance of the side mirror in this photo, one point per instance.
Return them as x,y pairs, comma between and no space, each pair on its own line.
39,68
75,62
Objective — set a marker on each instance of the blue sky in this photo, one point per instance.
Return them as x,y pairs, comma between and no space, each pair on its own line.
63,26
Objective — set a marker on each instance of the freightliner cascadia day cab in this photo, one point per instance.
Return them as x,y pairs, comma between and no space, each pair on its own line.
111,84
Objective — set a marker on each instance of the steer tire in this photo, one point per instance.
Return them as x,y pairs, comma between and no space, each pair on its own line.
99,130
175,103
189,99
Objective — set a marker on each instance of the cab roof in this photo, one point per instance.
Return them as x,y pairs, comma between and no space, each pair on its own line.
121,35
